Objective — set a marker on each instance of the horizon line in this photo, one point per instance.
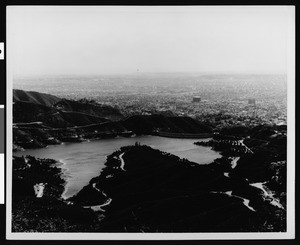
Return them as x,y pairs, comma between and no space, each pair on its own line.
147,73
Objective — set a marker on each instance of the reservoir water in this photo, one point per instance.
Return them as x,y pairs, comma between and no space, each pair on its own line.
83,161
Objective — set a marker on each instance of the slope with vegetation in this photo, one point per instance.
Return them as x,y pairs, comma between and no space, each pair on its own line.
41,119
154,191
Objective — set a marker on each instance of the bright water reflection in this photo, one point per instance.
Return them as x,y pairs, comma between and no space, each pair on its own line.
83,161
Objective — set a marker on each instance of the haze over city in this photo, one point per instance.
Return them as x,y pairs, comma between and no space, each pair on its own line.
115,40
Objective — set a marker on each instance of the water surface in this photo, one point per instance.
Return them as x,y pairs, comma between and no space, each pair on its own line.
83,161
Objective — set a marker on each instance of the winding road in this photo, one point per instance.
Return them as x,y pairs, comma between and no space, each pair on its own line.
229,193
267,194
99,207
122,161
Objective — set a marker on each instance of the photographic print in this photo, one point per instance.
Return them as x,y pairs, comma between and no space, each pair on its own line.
150,122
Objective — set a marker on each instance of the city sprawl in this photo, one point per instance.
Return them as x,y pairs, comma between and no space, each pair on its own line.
225,100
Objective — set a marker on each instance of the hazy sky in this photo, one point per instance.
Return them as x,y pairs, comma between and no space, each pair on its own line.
98,40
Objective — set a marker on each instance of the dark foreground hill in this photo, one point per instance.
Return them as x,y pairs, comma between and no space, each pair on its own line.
145,190
48,213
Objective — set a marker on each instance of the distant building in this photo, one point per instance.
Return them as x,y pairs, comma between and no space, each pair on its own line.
251,101
196,99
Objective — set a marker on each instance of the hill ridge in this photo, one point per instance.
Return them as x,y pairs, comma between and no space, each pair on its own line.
35,97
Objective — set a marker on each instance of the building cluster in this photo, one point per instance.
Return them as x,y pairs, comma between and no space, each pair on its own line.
220,113
220,100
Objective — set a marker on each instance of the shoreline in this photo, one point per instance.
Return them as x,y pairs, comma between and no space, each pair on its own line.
62,166
65,170
235,190
97,196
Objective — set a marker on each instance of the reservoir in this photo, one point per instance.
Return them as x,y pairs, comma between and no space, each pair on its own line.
82,161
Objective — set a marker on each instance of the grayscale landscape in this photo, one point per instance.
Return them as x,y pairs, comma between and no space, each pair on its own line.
168,120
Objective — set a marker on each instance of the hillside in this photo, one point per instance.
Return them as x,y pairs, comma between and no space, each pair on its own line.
41,119
48,213
34,97
146,124
27,112
89,107
146,190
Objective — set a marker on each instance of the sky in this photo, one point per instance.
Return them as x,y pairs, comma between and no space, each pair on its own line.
116,40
